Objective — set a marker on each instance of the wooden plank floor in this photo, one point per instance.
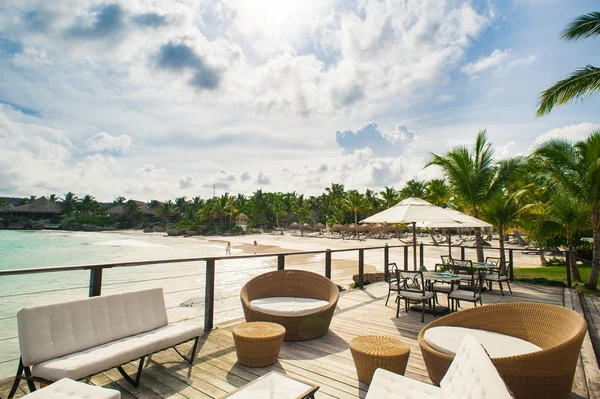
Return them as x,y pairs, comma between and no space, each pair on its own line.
326,361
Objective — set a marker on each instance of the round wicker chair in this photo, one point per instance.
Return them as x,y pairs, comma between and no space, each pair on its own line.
543,374
292,283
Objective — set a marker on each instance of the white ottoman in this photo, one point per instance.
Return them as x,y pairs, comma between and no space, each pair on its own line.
69,389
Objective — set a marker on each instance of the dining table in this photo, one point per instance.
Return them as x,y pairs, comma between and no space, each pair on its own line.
430,278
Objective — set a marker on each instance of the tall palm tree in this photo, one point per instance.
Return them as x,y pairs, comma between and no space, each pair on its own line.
584,81
166,210
473,176
372,199
86,204
67,203
389,195
120,200
356,203
438,192
180,206
29,200
52,198
575,170
502,211
414,188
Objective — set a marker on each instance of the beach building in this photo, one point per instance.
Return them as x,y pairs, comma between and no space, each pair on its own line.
41,208
147,209
242,221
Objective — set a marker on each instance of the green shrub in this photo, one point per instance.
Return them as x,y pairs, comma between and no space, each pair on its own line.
541,281
93,220
584,250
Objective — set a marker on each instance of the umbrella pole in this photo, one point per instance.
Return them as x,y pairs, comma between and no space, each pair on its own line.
415,244
449,244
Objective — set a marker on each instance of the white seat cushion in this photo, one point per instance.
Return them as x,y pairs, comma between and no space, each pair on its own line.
286,306
387,385
91,361
464,295
415,295
442,288
69,389
447,340
472,375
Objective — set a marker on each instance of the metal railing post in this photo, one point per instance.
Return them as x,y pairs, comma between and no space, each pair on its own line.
511,264
462,253
280,262
209,295
421,255
361,269
95,281
406,258
386,261
328,264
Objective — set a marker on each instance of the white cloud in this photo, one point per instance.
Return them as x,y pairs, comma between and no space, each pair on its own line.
498,60
484,63
263,178
188,181
574,133
104,142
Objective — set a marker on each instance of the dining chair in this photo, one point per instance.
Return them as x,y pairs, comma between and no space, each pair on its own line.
499,275
465,269
441,286
393,280
413,289
469,293
446,259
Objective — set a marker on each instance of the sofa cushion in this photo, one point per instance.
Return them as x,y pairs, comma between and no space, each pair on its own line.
388,385
288,306
472,375
447,340
50,331
69,389
93,360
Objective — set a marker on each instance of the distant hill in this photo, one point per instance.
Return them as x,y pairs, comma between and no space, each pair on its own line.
12,200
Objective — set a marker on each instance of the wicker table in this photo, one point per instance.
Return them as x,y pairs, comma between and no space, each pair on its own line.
371,352
257,343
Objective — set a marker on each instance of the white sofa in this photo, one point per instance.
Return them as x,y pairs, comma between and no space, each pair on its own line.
69,389
470,376
81,338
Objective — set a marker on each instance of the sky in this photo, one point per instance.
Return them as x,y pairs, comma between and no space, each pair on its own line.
156,99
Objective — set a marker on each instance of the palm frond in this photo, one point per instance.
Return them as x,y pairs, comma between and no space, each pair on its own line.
582,83
583,27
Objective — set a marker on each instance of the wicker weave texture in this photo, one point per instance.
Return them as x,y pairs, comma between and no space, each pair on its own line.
371,352
292,283
543,374
257,344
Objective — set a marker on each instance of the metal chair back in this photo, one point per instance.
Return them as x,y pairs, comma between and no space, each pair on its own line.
412,281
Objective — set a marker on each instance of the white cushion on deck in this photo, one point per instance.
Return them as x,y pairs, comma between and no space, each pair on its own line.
103,357
387,385
288,306
69,389
448,339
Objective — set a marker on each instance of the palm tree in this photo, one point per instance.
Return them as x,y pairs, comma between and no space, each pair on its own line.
584,81
301,207
180,206
29,200
119,201
52,198
166,210
438,192
67,203
372,199
86,204
414,188
132,210
355,202
389,195
503,210
575,171
473,176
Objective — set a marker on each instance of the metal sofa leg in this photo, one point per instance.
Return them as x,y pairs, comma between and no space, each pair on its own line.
510,289
138,376
30,382
15,386
192,356
501,289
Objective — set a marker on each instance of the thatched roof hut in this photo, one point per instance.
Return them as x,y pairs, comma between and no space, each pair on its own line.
319,226
39,207
351,227
242,217
115,211
6,208
337,227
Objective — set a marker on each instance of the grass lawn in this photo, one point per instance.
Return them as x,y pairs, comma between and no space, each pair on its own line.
551,273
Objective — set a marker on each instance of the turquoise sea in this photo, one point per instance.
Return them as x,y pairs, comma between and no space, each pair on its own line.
180,282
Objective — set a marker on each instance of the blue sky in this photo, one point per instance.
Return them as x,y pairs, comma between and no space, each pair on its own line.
157,99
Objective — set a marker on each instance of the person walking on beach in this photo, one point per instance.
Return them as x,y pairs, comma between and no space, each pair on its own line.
255,246
228,248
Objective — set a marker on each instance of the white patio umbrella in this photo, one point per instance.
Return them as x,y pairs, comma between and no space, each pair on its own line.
464,221
411,211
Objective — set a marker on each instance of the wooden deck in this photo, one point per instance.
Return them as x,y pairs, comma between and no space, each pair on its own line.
326,361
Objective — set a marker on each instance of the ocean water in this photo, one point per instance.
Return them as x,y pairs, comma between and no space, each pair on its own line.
181,282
